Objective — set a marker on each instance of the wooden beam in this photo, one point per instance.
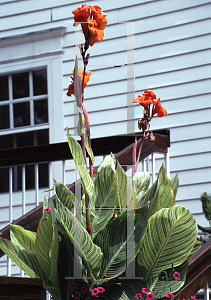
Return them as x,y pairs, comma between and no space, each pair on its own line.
20,288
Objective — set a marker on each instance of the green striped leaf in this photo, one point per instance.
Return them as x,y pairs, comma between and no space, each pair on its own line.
104,198
126,290
125,188
174,184
91,253
113,240
24,237
151,196
161,288
160,195
109,160
88,148
65,266
77,155
166,195
64,194
169,240
43,242
54,247
141,182
24,259
81,122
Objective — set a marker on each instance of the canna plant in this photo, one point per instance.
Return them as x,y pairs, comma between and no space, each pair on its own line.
122,225
164,235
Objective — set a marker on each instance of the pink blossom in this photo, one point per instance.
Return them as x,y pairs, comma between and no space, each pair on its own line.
145,290
176,275
137,296
193,298
73,285
84,290
169,295
150,296
76,295
94,292
47,209
100,289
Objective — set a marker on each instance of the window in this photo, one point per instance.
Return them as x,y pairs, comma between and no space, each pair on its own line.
24,104
23,99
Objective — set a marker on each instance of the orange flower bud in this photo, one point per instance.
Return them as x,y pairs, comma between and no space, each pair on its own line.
80,75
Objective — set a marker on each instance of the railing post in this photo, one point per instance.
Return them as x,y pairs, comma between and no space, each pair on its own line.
36,184
167,163
10,216
206,291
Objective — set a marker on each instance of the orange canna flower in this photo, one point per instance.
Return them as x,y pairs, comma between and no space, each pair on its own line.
158,109
70,91
144,101
148,93
96,21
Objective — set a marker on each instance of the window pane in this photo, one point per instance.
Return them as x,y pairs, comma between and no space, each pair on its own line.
21,114
20,83
40,82
6,142
4,117
40,111
4,175
4,95
43,175
25,139
17,178
30,177
42,137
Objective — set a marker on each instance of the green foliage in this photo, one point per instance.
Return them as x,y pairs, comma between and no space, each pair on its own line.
129,224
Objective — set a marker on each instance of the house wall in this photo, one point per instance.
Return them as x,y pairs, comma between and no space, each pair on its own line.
172,50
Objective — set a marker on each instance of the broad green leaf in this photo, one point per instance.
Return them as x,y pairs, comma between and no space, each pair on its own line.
141,182
109,160
54,246
126,290
91,254
64,194
24,259
174,184
88,148
81,124
25,238
169,240
65,266
113,240
125,188
151,196
104,198
161,288
166,195
43,241
45,202
77,155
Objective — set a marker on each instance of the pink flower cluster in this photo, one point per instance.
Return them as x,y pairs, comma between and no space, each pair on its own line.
150,296
96,291
77,295
176,275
